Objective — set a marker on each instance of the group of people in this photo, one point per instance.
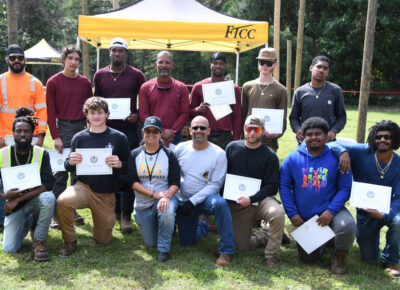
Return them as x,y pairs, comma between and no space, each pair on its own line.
165,182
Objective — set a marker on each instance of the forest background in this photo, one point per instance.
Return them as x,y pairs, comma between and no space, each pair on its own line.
332,27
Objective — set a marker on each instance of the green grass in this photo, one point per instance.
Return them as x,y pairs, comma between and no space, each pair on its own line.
127,263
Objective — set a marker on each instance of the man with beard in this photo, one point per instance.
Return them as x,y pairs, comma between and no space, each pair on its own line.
377,162
221,130
21,204
265,92
203,169
166,98
311,184
66,92
120,80
318,98
251,158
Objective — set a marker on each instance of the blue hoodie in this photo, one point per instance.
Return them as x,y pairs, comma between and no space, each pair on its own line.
309,185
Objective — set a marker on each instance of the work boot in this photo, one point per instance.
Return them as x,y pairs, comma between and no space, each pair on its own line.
55,224
272,262
126,225
68,249
223,260
392,270
337,262
39,251
79,221
163,257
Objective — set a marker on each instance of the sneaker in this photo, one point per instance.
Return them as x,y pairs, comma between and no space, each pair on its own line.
40,251
162,256
79,221
55,225
272,262
68,249
213,227
392,270
126,225
223,260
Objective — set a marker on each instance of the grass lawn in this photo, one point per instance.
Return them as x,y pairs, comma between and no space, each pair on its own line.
127,263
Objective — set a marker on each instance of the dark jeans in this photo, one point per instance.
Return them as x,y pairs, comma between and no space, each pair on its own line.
220,138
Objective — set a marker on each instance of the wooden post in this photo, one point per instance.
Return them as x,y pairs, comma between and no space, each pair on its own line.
366,69
85,45
289,71
115,4
277,28
299,49
12,24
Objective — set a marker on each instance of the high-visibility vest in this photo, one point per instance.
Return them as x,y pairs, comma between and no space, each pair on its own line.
5,156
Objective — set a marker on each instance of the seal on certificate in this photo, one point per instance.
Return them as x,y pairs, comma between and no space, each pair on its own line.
93,159
370,194
242,187
267,118
20,175
114,106
60,161
218,92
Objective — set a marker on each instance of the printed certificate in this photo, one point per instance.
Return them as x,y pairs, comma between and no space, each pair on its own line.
21,177
119,108
273,119
220,111
371,196
237,186
220,93
9,139
57,160
94,161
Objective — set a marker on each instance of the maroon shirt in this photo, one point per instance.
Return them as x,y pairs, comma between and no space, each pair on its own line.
126,85
231,122
65,98
170,105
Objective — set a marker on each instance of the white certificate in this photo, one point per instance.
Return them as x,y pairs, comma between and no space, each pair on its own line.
273,119
21,177
311,236
371,196
10,140
220,93
57,160
94,161
237,186
220,111
119,108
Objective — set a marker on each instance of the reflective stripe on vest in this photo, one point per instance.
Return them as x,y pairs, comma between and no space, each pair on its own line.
5,156
5,107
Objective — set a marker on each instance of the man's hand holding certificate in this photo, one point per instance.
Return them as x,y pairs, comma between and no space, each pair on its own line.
94,161
238,186
120,108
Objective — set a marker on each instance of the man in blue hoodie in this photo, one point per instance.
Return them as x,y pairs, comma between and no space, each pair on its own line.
311,184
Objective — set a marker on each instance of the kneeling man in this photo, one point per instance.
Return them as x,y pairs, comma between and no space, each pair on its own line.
311,184
252,158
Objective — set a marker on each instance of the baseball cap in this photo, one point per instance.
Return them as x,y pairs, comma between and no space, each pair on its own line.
14,48
153,121
267,53
254,120
218,56
118,42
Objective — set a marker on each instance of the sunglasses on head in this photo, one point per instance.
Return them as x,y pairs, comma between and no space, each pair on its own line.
14,57
384,136
202,128
266,62
151,131
256,129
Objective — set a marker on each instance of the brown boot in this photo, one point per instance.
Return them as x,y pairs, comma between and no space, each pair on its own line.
272,262
126,225
392,270
223,260
39,251
68,249
337,262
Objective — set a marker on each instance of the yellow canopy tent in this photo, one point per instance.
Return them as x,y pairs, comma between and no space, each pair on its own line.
173,25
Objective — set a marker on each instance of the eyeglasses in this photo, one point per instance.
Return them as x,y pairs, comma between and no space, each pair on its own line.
256,129
151,131
14,57
202,128
266,62
384,136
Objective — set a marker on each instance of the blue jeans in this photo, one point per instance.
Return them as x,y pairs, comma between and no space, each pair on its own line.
191,230
368,230
17,225
2,213
157,227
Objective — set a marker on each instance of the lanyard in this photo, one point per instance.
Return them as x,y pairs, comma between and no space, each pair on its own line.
147,165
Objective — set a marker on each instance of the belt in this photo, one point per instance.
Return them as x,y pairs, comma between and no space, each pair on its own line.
219,133
72,121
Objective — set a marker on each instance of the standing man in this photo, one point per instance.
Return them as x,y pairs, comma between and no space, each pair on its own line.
221,130
266,93
377,162
318,98
203,169
119,80
166,98
252,158
93,191
311,184
21,205
66,92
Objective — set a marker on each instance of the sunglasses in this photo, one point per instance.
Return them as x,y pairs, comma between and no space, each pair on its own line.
384,136
151,131
256,129
14,57
266,62
202,128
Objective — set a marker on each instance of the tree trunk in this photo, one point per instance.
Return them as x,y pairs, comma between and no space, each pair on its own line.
12,24
85,46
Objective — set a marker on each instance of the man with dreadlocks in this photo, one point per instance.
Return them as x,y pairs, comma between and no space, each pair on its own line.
377,162
21,204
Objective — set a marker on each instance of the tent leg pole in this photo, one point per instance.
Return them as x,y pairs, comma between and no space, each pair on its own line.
78,42
98,59
237,68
